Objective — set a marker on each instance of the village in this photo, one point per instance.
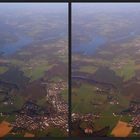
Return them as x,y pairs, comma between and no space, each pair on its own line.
32,117
134,111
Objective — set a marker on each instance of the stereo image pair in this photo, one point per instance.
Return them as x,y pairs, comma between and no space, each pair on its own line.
40,96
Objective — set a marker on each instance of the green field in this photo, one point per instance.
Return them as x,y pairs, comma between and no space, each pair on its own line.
17,101
56,132
82,98
110,120
1,118
88,69
51,132
64,95
85,100
36,71
127,72
3,69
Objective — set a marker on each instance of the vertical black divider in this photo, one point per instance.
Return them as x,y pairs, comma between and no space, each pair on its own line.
69,68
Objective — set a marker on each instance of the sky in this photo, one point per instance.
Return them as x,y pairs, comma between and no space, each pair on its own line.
49,6
81,7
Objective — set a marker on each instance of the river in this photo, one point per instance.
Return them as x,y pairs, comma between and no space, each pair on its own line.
94,81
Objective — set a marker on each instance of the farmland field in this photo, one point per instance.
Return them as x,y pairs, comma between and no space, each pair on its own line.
5,128
121,130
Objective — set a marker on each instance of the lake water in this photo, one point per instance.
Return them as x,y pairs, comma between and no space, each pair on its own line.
90,47
10,48
23,41
87,48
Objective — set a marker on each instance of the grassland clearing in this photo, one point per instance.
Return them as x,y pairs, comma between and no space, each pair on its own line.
83,97
3,69
126,71
29,135
88,69
64,95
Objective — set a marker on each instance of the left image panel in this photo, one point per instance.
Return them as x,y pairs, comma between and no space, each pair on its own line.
34,70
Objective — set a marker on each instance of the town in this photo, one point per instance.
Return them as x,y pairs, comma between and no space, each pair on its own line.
32,117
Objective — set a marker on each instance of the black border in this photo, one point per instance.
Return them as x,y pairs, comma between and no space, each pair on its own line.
106,1
72,1
34,1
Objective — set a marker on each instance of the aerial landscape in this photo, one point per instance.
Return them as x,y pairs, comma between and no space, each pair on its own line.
33,70
106,69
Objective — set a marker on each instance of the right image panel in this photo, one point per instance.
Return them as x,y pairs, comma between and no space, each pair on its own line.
106,69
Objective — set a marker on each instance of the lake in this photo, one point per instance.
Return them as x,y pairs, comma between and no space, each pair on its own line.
23,41
10,48
89,48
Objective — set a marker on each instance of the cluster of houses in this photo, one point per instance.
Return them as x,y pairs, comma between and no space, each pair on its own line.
135,112
87,119
60,118
84,117
27,123
57,122
32,117
111,98
135,122
134,108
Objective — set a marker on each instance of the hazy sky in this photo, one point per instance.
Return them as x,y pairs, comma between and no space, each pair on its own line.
49,6
85,7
